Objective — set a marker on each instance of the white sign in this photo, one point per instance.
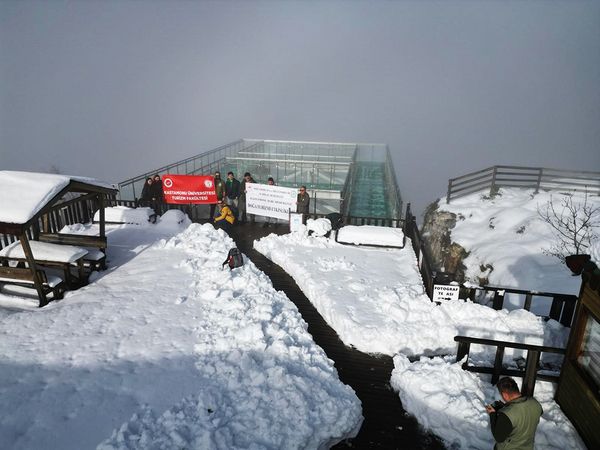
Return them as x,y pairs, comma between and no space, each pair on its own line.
295,222
443,292
270,201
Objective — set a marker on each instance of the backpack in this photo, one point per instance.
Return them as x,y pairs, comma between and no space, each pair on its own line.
234,258
336,220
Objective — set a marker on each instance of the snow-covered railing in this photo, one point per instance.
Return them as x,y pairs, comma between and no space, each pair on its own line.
562,309
411,230
532,365
537,178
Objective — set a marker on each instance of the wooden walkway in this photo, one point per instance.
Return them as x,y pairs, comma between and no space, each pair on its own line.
386,424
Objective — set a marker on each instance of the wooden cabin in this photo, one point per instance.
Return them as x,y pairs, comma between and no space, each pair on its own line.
578,391
33,209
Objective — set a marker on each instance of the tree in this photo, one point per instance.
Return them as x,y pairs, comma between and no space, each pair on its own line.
574,224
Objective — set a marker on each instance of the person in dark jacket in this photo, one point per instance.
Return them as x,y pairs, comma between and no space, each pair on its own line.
219,190
156,189
303,203
232,191
242,200
513,423
270,220
146,197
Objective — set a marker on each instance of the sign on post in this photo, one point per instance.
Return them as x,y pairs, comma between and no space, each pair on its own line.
186,189
270,201
295,222
444,292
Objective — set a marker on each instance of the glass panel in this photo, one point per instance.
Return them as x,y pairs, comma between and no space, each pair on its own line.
589,355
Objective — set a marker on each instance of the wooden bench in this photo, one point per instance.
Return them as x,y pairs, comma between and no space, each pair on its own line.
24,277
95,259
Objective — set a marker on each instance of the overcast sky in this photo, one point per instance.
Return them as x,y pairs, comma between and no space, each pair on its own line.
113,89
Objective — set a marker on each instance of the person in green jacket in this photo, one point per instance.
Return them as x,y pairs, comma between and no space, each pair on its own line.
513,423
219,190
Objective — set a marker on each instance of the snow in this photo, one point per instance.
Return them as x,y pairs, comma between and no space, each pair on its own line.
371,235
319,227
43,251
23,194
166,350
123,214
451,402
506,233
375,300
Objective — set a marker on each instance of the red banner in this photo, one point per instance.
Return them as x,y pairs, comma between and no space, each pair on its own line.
189,189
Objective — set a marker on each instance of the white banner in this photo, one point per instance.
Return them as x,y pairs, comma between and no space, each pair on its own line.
270,201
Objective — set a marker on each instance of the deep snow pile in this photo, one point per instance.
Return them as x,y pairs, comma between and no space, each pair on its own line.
450,402
506,233
166,350
375,300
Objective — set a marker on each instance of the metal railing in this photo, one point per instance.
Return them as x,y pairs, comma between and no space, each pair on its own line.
204,163
536,178
532,364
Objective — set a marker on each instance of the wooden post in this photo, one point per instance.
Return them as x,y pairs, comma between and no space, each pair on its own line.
531,366
493,186
498,300
527,305
556,308
33,267
539,179
463,350
449,191
566,317
101,210
498,364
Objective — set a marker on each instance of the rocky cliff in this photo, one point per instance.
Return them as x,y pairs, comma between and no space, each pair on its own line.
447,256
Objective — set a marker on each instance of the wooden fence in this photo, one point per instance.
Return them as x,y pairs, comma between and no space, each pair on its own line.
562,308
529,374
535,178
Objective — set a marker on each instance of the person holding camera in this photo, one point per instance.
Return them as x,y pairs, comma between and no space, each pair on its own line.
514,422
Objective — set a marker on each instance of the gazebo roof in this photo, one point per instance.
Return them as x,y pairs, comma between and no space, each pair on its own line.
23,195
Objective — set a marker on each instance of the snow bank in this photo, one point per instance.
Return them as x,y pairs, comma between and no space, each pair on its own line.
375,300
371,235
166,350
450,402
506,233
123,214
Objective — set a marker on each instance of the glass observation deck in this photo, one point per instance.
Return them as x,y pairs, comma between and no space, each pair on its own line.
354,179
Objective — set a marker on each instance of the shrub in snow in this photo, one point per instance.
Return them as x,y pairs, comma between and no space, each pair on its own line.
319,227
574,224
173,218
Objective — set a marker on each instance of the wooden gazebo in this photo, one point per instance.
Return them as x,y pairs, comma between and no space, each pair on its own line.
34,204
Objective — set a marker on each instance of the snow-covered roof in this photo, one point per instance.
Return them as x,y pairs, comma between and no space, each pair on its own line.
23,194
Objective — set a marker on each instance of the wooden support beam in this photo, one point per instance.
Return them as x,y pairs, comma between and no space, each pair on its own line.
33,267
531,367
498,364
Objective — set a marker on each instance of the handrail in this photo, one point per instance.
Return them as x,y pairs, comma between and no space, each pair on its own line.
529,375
537,178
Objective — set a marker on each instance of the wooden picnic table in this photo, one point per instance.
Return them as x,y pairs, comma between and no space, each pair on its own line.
50,255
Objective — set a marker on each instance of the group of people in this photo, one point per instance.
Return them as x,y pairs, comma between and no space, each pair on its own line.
152,191
231,201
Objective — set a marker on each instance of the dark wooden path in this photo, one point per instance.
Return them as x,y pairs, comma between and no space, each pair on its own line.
386,424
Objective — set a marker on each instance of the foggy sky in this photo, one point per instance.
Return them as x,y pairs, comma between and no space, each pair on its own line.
113,89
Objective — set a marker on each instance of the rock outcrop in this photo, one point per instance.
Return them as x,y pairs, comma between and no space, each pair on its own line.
447,256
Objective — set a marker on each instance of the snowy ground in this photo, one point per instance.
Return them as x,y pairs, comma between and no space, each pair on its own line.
166,350
506,233
375,300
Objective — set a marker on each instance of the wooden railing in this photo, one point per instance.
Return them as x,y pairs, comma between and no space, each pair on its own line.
536,178
411,230
532,364
562,308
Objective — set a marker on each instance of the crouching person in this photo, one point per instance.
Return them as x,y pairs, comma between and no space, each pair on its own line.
225,219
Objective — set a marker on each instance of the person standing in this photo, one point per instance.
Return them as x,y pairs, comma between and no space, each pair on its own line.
146,197
270,220
219,190
303,204
242,200
156,189
232,192
513,424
